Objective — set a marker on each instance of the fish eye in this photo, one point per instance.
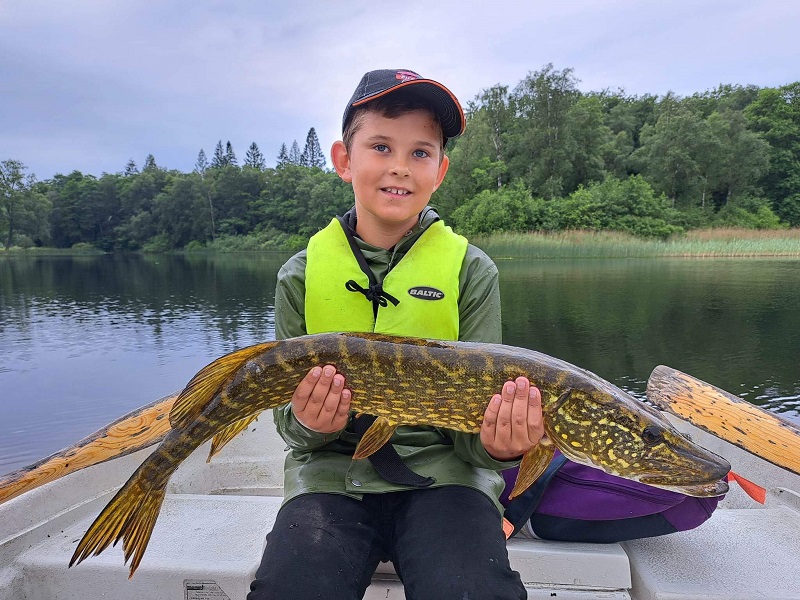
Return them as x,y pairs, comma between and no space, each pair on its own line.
652,435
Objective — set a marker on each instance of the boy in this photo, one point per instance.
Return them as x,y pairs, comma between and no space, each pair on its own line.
430,502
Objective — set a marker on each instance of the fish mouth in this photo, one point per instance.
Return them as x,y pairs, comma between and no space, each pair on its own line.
703,474
709,489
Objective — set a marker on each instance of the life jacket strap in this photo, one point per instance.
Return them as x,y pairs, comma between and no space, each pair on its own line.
387,461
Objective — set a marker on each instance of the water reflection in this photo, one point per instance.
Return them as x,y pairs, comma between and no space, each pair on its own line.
84,340
734,323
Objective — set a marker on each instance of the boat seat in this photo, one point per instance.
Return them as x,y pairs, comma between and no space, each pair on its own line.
718,560
207,547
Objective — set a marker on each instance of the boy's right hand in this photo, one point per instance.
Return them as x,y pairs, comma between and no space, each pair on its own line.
321,402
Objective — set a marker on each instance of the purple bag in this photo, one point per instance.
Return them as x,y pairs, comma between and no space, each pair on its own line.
573,502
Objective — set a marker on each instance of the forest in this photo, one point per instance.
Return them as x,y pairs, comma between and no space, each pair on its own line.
539,156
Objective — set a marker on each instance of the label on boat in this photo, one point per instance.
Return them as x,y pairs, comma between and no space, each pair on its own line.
195,589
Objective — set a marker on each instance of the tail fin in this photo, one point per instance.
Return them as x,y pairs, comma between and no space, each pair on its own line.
208,382
130,516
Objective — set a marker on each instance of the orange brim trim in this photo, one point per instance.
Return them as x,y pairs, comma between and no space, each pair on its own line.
417,81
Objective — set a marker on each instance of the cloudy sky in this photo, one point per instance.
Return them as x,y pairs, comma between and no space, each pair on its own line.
89,84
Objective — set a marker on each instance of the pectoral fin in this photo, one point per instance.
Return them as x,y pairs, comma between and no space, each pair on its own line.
374,437
533,464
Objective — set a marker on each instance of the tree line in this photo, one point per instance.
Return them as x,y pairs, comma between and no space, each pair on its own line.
541,156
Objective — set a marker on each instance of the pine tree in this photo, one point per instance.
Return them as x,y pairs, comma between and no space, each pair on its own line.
283,156
254,159
294,154
201,164
219,159
312,153
230,157
130,168
150,163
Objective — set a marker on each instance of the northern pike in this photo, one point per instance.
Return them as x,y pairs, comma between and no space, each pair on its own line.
409,381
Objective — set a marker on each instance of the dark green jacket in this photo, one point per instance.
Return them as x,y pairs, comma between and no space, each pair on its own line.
323,462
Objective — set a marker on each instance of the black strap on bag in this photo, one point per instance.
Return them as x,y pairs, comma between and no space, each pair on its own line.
387,461
520,509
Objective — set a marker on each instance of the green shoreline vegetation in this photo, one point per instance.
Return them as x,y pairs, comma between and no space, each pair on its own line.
544,169
700,243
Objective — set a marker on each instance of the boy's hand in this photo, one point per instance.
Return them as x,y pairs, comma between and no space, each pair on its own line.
512,423
321,402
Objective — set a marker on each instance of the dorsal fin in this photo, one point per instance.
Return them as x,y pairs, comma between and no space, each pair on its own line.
208,382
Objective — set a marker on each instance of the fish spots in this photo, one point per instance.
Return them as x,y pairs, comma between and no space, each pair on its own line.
620,462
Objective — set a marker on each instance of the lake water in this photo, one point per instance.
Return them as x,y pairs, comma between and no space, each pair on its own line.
84,340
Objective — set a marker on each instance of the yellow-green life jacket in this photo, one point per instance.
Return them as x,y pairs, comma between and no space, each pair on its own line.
418,297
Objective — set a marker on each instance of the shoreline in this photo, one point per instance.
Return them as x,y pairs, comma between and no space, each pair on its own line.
700,243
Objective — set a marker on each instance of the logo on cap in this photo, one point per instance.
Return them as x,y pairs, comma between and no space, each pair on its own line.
404,76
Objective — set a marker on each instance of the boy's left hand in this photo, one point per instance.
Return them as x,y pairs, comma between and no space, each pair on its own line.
512,423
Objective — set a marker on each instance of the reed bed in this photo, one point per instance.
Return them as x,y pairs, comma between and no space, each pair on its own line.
705,243
16,251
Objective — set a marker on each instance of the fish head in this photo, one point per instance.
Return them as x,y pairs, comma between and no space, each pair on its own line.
607,428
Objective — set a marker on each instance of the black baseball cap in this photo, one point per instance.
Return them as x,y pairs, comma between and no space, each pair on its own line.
443,102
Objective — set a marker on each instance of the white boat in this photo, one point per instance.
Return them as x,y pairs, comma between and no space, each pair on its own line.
209,537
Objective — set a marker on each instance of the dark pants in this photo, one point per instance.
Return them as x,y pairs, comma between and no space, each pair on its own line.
446,544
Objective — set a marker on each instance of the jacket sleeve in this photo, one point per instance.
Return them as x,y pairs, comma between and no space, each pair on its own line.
479,321
290,322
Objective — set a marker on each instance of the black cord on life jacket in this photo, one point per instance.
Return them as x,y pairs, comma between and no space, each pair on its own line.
375,292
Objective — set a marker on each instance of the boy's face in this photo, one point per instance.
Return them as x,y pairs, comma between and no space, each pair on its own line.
394,166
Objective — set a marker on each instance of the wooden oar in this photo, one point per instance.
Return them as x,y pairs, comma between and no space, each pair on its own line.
139,429
722,414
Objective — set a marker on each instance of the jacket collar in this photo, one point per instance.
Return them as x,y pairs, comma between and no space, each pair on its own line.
427,217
